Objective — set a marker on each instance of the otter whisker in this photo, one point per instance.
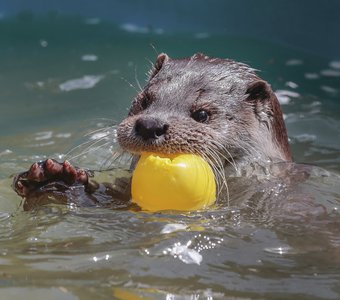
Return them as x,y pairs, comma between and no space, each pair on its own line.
105,129
207,154
90,141
221,148
215,162
116,157
137,81
252,151
88,144
91,147
130,84
218,169
220,155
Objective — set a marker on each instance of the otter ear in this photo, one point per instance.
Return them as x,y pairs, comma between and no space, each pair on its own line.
258,91
260,96
161,60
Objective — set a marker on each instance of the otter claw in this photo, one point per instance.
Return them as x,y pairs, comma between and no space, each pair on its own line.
36,173
82,176
69,174
20,188
53,167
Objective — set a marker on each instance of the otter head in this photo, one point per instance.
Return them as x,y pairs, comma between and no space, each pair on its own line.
217,108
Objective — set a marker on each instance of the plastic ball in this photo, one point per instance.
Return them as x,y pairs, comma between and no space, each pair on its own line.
175,182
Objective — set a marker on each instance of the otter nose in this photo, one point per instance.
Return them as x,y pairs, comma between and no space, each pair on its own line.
148,128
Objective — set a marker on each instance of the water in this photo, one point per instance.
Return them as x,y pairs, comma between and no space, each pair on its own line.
64,77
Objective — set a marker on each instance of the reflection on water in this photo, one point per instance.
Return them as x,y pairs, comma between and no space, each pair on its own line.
50,102
86,82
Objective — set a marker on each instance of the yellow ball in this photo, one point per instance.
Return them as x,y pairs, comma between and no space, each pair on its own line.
173,182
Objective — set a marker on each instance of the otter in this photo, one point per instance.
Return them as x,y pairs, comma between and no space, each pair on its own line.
217,108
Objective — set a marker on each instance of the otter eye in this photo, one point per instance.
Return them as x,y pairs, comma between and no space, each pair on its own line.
141,102
200,115
144,103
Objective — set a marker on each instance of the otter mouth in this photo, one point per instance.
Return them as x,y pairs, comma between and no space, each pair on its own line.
138,146
162,145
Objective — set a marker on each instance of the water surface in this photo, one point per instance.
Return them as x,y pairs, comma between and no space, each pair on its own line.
62,78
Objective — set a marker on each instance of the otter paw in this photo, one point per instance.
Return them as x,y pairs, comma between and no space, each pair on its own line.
47,172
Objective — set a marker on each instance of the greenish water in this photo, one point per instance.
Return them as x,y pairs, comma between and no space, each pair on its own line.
61,78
